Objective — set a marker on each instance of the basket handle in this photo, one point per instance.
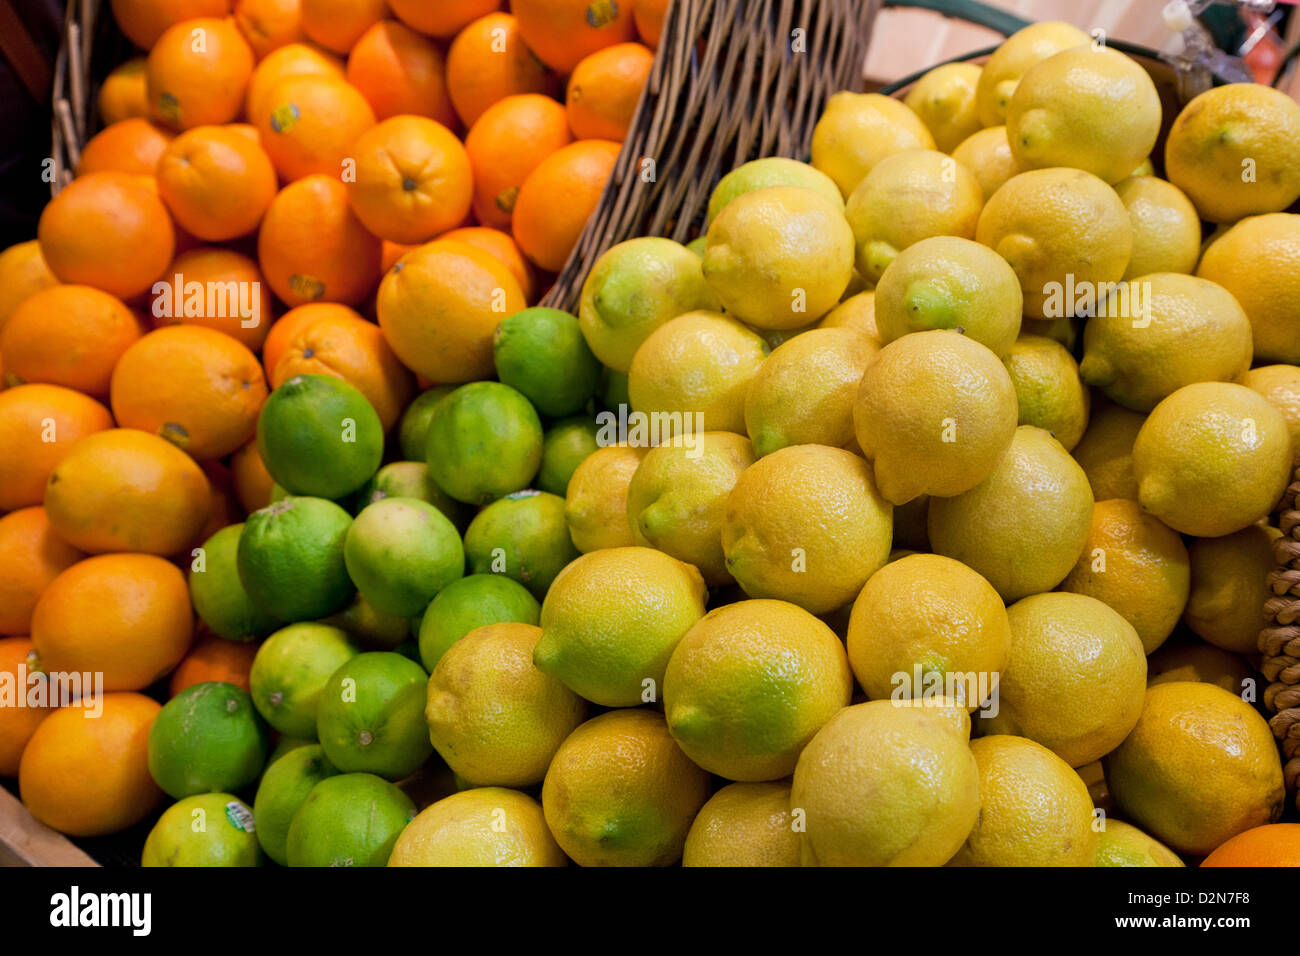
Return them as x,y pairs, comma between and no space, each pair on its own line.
972,11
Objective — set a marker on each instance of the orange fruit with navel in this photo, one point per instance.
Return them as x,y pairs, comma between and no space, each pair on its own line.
217,181
31,556
489,61
400,72
505,144
18,723
129,146
198,73
219,289
38,426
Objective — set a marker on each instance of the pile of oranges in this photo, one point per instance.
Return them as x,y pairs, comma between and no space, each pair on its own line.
261,170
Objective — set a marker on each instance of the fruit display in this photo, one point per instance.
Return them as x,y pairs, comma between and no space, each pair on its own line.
916,513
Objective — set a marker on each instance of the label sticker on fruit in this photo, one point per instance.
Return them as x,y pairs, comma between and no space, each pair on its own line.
285,117
602,13
309,287
240,817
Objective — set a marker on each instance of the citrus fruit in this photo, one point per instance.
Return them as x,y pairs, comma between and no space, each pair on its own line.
268,25
1229,587
23,273
1075,678
1034,809
485,826
522,535
249,476
284,787
611,619
370,716
1122,844
301,58
216,182
1197,661
308,123
944,99
882,784
206,829
1166,227
39,424
857,130
1280,384
213,658
400,552
485,441
207,739
124,92
595,506
487,62
215,288
565,446
31,557
562,32
413,432
400,73
218,595
375,629
633,288
1274,844
338,24
1049,393
130,146
19,719
197,72
557,198
469,603
290,558
744,824
604,89
935,412
1200,767
291,669
410,479
541,353
770,171
1105,452
987,154
348,819
506,142
1212,458
620,792
1014,58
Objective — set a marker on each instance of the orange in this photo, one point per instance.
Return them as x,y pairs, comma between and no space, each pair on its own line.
649,17
23,272
444,18
268,25
440,305
288,325
501,245
213,659
398,71
338,24
129,146
253,483
38,425
309,123
143,21
604,90
70,335
295,59
412,180
219,289
508,142
217,181
198,388
392,251
109,230
88,777
562,32
127,490
31,556
124,93
312,247
558,198
489,61
198,73
223,507
350,348
1274,844
18,723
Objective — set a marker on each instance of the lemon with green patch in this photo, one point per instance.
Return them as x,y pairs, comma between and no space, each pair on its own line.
1122,844
207,829
1049,392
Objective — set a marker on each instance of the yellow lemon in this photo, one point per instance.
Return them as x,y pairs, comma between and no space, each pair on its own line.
1166,227
611,619
858,130
925,615
493,717
1226,605
1212,458
1197,661
1232,150
595,504
806,524
1061,230
487,826
1034,809
770,171
1064,330
677,496
697,367
1199,767
1024,526
1280,384
1258,261
988,155
1013,59
907,197
805,390
935,411
780,257
744,824
749,685
1122,844
620,792
1076,677
886,785
1089,107
944,98
1106,451
1135,565
858,311
1157,333
1049,392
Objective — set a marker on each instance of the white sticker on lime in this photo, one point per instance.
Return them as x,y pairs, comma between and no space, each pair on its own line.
240,817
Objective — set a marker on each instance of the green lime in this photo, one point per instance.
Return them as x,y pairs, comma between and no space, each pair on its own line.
485,441
283,789
370,626
541,352
370,718
401,552
319,436
771,171
206,739
472,602
350,819
291,668
565,447
411,479
284,744
218,595
413,432
613,390
207,829
523,536
291,558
